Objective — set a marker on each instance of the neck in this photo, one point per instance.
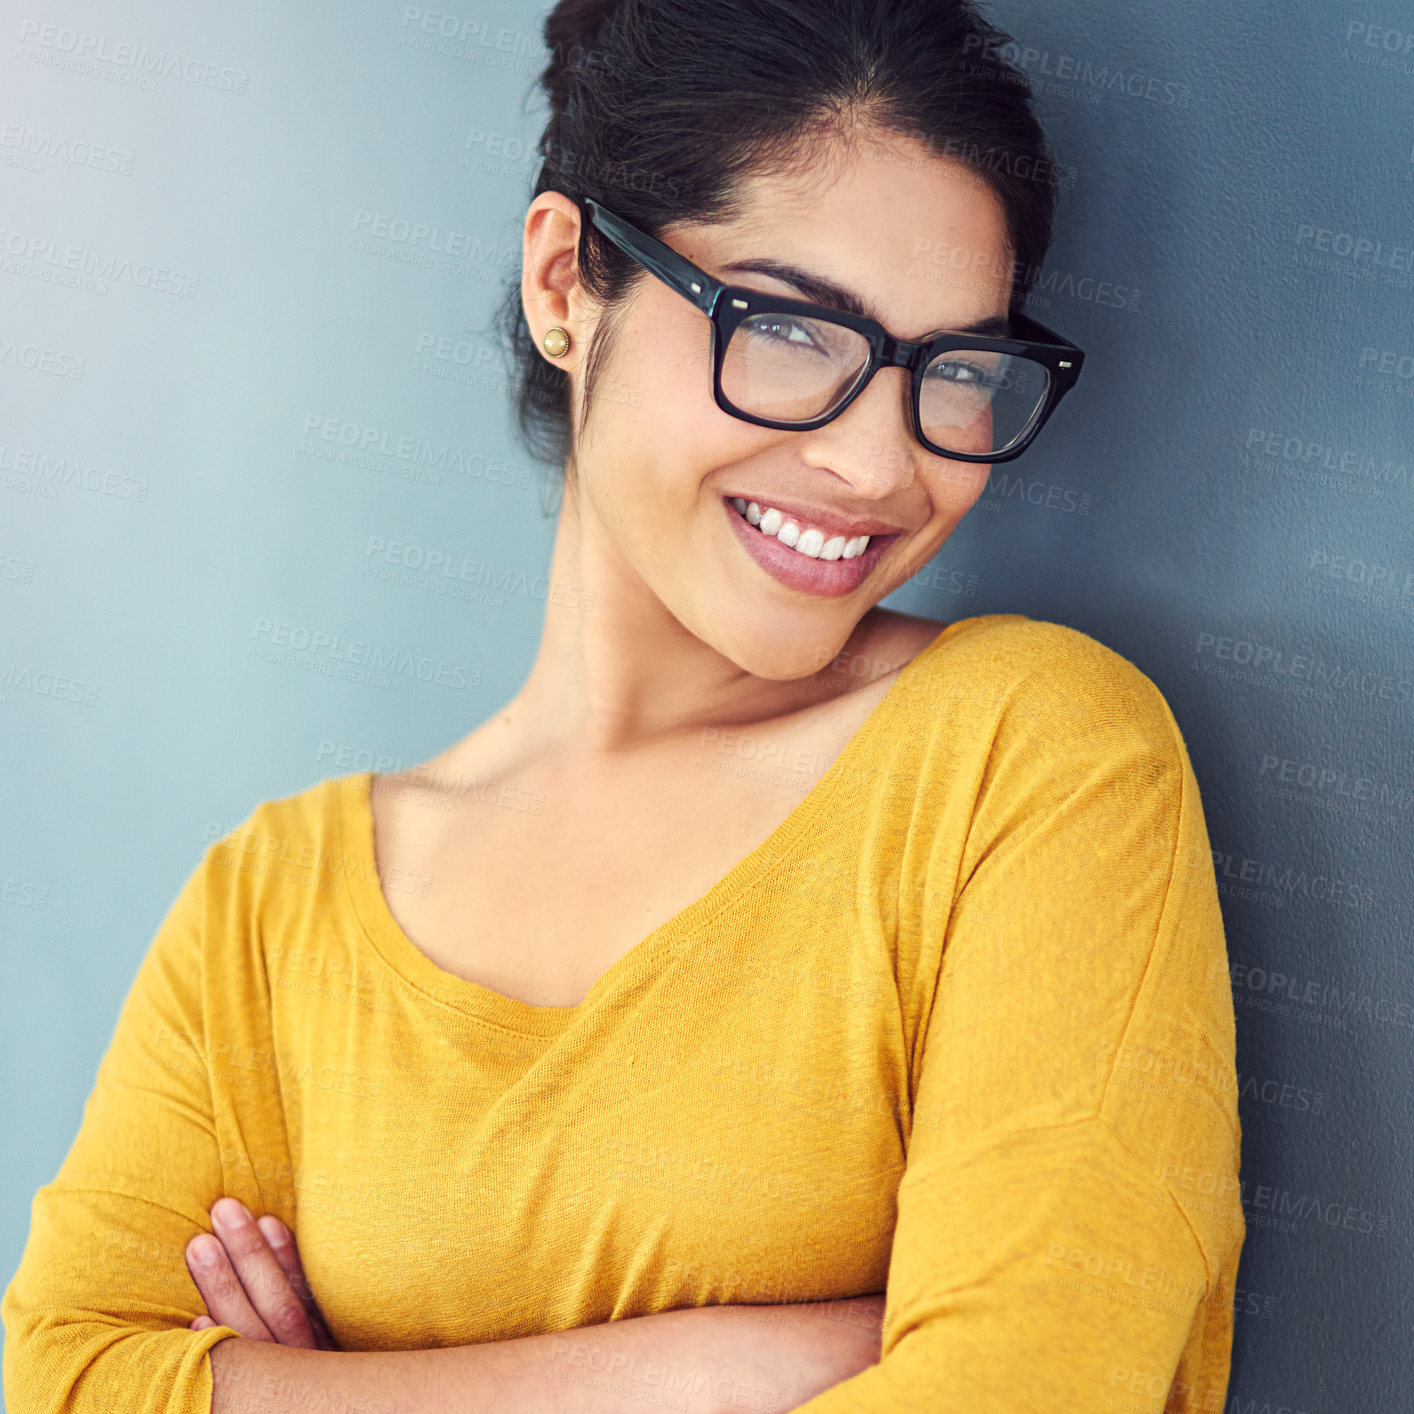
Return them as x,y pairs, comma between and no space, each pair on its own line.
616,670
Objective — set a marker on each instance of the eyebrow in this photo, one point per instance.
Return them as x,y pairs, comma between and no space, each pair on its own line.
818,290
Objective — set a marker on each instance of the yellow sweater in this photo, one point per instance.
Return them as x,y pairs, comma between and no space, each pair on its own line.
959,1031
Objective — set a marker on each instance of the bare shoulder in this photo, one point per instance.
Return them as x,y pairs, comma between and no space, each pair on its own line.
414,808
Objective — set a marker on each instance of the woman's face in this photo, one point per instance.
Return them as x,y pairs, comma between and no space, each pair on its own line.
659,463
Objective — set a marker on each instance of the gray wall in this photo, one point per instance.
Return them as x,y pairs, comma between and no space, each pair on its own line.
205,439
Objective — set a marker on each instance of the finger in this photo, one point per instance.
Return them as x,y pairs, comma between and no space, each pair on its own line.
286,1249
282,1244
202,1323
221,1289
265,1283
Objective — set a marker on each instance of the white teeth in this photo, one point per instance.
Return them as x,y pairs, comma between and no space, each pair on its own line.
770,521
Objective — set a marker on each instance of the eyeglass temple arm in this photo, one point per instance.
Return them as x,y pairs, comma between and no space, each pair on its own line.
662,260
698,286
1021,323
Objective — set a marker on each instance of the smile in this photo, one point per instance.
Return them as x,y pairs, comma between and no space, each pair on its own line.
837,566
804,540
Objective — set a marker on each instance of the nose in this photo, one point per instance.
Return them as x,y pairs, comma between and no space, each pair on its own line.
871,443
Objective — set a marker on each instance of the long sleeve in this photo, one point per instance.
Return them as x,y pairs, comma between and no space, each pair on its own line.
95,1315
1069,1221
960,1030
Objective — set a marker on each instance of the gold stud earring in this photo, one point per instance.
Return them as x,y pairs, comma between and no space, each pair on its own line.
557,342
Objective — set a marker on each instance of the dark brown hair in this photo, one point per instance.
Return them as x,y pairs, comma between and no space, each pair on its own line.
661,108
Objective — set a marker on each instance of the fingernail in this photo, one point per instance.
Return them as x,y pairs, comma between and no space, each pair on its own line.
230,1212
274,1231
203,1251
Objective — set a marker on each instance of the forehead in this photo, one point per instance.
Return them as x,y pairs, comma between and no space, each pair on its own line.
920,238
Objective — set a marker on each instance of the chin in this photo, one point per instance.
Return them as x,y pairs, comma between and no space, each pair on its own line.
789,652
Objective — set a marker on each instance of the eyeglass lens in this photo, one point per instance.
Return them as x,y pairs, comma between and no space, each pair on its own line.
791,368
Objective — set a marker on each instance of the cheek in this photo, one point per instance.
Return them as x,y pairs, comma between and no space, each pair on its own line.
665,366
675,416
958,487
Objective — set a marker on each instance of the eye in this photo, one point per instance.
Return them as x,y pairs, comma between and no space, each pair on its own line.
960,371
781,329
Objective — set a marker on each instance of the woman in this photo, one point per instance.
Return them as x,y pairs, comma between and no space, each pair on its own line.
770,951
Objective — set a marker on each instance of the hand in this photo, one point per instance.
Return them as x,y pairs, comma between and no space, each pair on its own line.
250,1277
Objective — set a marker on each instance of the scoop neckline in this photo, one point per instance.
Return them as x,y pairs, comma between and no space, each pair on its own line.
473,999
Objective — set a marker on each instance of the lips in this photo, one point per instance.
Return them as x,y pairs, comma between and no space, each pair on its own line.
823,519
827,579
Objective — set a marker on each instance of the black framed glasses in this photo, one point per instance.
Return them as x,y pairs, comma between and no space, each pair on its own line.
785,363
